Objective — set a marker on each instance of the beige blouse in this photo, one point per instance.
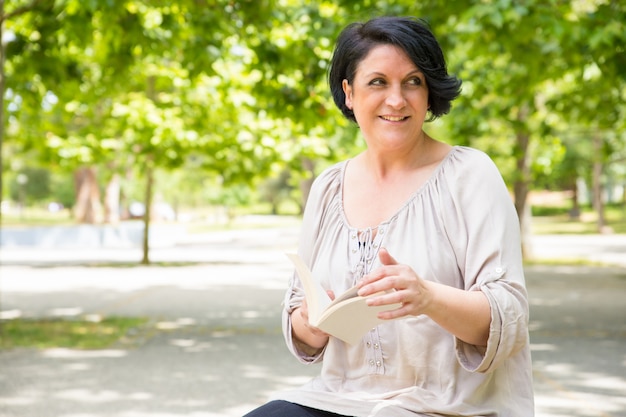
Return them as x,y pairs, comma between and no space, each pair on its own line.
460,229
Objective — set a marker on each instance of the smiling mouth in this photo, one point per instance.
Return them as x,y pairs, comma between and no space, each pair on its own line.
394,118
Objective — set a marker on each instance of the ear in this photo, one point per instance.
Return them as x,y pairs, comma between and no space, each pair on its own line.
347,90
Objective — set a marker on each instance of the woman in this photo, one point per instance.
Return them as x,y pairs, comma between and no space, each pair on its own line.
430,222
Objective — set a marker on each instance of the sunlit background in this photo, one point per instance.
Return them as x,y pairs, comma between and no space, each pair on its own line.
156,157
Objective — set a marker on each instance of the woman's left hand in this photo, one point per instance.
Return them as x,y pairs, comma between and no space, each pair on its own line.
401,284
465,314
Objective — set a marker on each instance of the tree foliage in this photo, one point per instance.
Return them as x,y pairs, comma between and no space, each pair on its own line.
238,90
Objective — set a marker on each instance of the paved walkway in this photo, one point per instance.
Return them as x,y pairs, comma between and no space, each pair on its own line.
214,348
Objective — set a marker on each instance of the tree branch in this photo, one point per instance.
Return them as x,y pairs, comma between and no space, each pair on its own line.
22,9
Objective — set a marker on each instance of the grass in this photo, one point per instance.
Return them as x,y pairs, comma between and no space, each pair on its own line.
559,222
564,262
75,334
547,219
196,220
34,216
121,264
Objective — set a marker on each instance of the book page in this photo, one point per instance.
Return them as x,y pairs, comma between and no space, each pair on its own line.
347,317
350,293
316,297
350,319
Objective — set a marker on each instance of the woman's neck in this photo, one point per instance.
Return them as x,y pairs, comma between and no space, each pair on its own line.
386,165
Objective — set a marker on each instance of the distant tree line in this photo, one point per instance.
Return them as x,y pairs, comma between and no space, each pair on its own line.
232,94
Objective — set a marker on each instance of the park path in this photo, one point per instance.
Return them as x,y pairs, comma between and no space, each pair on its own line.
214,348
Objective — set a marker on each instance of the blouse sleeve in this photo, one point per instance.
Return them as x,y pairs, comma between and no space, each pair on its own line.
319,201
483,227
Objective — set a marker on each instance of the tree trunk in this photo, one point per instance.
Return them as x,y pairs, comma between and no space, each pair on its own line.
112,201
574,213
624,201
520,185
88,208
149,170
598,204
146,216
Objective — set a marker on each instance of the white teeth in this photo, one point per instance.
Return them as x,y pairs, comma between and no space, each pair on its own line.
393,119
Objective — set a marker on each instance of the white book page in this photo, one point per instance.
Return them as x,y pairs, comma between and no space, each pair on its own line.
316,296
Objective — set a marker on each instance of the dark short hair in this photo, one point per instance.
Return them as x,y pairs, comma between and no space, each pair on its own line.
411,35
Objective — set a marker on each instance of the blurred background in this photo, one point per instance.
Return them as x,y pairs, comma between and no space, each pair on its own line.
198,112
156,157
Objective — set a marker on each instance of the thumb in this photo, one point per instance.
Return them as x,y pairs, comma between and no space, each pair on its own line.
386,258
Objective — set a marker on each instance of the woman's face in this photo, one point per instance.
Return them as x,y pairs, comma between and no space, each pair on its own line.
389,98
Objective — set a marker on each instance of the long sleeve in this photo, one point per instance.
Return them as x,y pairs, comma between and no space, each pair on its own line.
486,243
458,229
321,199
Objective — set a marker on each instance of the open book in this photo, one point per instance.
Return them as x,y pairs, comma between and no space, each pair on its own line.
347,317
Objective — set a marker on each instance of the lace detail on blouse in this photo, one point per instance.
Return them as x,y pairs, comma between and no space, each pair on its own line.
364,247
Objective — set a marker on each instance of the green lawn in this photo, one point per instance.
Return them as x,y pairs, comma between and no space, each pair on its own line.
35,216
546,220
67,333
555,221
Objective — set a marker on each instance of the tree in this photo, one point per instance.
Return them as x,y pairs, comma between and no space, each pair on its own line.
510,53
30,185
140,90
21,8
238,89
591,93
290,52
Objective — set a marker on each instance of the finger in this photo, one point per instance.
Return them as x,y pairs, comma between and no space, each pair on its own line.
386,258
401,311
389,298
372,284
384,279
380,272
396,308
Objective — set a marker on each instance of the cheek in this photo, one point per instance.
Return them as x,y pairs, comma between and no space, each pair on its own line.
425,97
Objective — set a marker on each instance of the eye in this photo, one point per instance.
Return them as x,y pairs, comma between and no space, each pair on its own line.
415,81
377,81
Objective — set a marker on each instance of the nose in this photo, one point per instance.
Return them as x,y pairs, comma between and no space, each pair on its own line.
395,99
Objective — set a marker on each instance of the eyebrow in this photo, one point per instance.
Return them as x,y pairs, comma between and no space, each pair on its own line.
380,74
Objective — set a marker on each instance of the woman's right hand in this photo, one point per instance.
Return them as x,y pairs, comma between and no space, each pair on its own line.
304,331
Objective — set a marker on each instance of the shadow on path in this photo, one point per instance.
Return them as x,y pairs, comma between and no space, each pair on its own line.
214,347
